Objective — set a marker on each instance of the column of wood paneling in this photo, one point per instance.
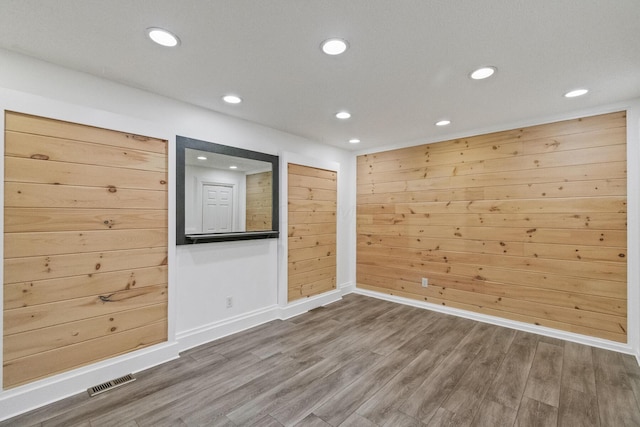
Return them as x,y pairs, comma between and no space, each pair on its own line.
312,231
527,224
85,238
259,201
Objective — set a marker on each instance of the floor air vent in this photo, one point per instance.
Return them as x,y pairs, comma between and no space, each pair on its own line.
110,385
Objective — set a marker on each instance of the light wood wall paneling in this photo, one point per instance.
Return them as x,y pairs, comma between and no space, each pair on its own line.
28,124
34,292
58,312
259,201
595,220
312,209
34,342
86,153
52,219
62,173
26,195
527,224
51,267
63,242
85,267
30,368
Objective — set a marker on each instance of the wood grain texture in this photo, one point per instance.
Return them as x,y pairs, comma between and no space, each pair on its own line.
527,224
323,368
85,245
312,207
259,201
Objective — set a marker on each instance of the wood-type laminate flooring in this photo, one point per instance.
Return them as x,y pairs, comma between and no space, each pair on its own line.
367,362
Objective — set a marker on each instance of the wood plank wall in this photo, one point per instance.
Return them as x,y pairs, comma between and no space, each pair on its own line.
527,224
259,201
312,231
85,245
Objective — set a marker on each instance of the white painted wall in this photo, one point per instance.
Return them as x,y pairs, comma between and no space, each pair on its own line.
201,276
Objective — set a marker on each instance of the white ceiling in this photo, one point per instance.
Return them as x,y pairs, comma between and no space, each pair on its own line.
407,66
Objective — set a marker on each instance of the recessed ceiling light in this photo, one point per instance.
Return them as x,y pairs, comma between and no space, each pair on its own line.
163,37
577,92
343,115
232,99
334,46
483,73
354,141
233,167
201,158
443,123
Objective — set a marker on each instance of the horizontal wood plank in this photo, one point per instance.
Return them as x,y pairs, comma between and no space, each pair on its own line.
48,149
27,195
41,316
25,123
69,219
22,370
34,171
55,266
34,292
67,242
58,336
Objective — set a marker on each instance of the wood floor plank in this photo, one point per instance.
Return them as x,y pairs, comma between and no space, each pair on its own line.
509,383
362,361
533,413
218,399
578,373
294,399
398,419
616,401
468,395
543,383
356,420
578,409
312,421
340,406
381,407
492,413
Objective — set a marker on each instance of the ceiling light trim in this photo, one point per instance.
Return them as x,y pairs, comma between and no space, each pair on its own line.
576,93
483,72
232,99
163,37
334,46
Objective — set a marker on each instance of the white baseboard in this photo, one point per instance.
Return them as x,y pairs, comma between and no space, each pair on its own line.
216,330
302,306
347,288
39,393
521,326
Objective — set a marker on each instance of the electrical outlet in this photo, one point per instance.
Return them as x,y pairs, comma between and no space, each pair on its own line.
425,282
229,302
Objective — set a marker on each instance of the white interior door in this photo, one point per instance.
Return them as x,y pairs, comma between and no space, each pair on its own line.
217,208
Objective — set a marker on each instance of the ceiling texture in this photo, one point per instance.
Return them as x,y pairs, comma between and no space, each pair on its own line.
407,66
